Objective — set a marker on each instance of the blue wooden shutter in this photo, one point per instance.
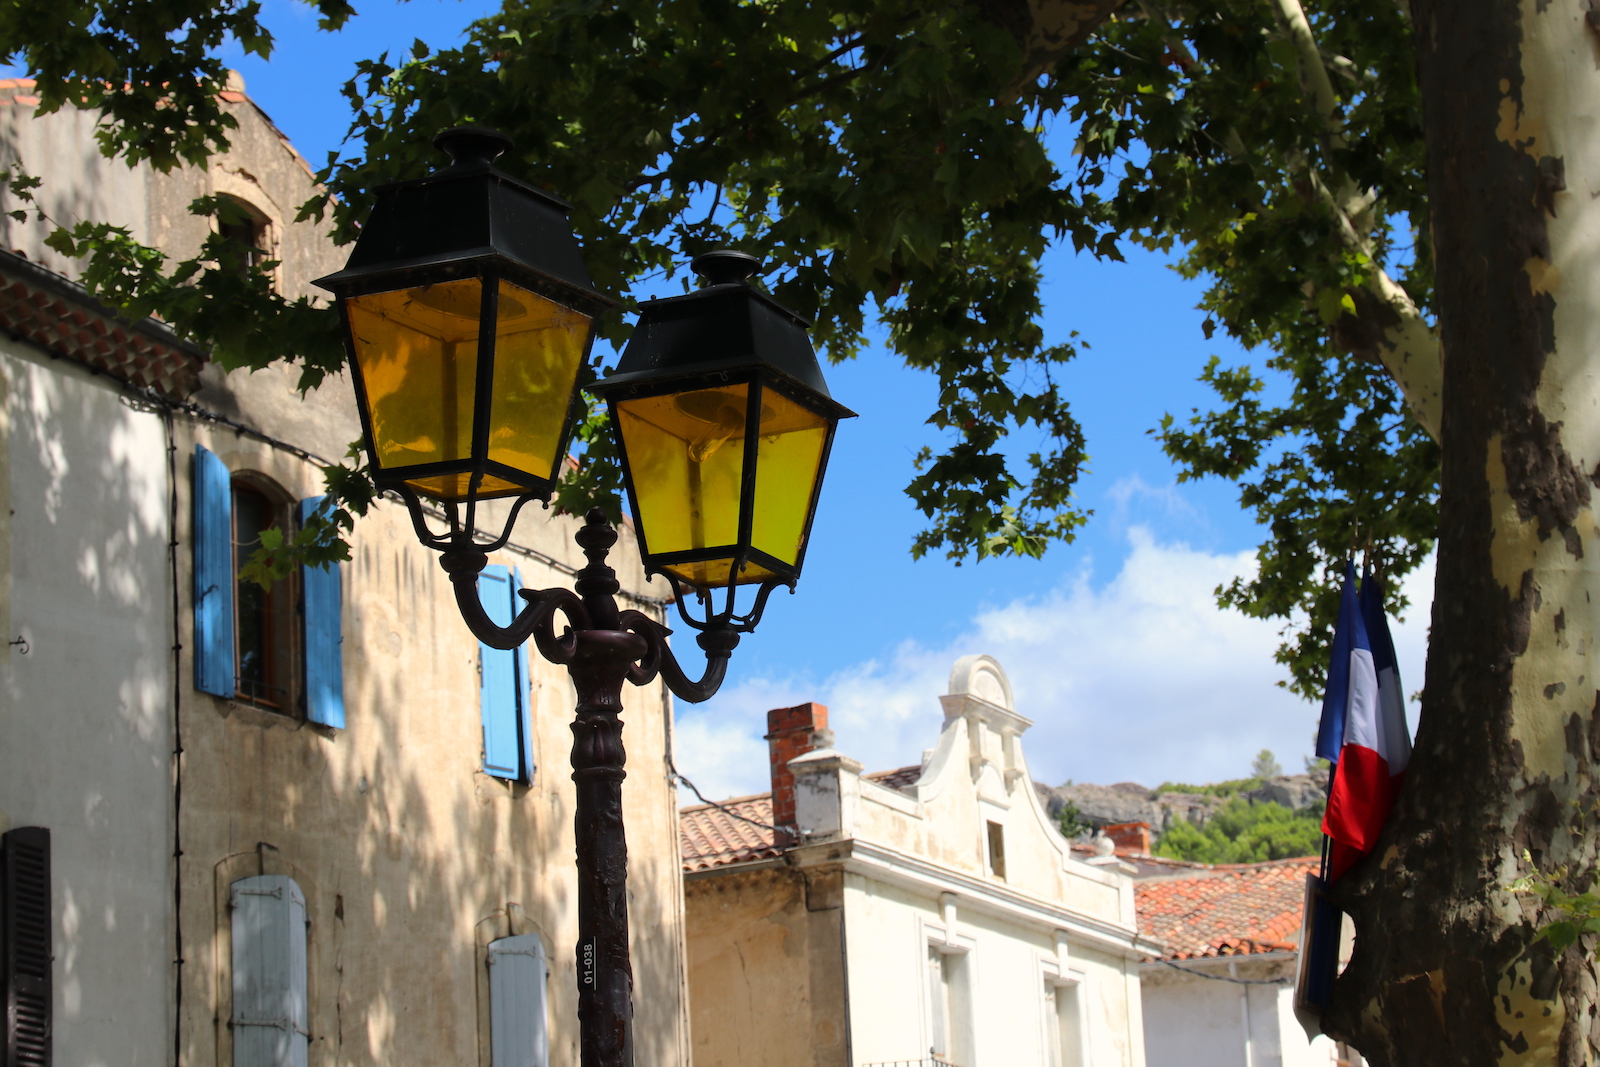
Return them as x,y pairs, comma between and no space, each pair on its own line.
25,946
517,973
213,575
322,606
499,696
270,1018
524,679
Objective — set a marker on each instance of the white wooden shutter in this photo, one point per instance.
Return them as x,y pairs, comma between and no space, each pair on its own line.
517,970
269,973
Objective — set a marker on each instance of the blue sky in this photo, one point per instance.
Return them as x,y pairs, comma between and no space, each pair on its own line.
1113,644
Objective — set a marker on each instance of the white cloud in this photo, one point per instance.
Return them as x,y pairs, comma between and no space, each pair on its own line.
1141,679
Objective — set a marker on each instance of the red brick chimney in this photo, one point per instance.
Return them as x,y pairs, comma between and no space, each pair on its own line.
792,732
1129,836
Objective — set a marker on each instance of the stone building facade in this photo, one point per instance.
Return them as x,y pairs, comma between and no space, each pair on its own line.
317,853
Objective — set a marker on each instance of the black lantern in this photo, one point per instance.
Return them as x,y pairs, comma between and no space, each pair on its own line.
468,313
725,425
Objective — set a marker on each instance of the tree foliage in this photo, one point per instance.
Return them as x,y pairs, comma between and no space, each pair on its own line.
1201,125
888,161
149,67
1245,831
1571,905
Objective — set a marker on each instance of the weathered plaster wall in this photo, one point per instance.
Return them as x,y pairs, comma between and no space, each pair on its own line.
1194,1021
890,929
85,714
977,773
943,819
79,184
411,858
919,874
260,168
766,975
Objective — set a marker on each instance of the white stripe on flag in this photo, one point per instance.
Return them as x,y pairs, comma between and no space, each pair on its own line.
1361,715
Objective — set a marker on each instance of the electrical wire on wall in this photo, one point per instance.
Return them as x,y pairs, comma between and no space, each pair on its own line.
167,420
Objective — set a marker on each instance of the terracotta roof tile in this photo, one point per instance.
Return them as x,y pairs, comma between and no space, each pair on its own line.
899,778
710,837
42,307
1227,910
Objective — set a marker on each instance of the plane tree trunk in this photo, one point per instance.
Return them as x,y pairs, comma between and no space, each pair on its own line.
1447,969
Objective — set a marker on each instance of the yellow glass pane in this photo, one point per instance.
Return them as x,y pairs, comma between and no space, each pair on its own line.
455,486
714,573
418,353
686,455
538,347
788,458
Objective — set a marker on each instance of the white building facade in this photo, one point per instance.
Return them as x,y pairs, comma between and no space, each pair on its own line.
927,915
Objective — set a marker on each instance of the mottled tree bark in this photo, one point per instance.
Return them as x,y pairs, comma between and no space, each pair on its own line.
1446,967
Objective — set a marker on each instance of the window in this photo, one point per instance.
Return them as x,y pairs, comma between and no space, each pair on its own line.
25,946
263,629
518,972
270,1020
246,232
1063,1024
280,648
950,1014
997,850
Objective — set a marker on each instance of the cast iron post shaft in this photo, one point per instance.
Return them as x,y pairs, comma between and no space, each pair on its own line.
603,650
601,660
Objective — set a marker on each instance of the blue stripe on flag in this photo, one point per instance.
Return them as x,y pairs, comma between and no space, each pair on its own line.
1348,634
1377,626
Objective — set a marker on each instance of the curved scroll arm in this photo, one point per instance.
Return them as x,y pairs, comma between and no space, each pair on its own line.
717,644
535,620
726,619
462,533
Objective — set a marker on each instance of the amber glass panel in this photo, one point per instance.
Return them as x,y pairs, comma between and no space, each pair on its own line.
788,458
686,454
418,353
456,486
538,347
714,572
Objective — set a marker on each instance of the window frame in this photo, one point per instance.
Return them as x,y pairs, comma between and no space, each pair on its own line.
260,239
283,650
1058,978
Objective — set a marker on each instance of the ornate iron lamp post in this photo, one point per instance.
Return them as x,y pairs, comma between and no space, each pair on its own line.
467,314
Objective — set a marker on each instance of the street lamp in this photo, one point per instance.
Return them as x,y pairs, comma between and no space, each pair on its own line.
468,314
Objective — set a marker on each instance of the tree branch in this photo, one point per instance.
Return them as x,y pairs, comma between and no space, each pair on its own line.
1387,325
1047,30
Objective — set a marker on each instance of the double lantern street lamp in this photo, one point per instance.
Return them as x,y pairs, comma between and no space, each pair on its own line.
468,315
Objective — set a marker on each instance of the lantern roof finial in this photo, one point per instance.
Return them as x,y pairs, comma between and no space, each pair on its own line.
472,145
725,267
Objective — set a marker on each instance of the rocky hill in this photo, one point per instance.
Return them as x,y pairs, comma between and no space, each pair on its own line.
1100,805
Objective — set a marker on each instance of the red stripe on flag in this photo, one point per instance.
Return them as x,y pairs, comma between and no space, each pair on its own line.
1359,802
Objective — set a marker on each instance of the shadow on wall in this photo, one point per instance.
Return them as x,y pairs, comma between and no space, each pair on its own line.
86,714
411,859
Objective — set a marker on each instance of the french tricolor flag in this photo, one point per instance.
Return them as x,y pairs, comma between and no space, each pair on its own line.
1363,731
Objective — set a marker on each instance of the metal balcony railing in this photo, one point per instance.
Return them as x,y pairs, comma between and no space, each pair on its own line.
926,1061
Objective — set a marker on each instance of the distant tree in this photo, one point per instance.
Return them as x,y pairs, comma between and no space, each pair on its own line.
1245,832
1265,765
1071,821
